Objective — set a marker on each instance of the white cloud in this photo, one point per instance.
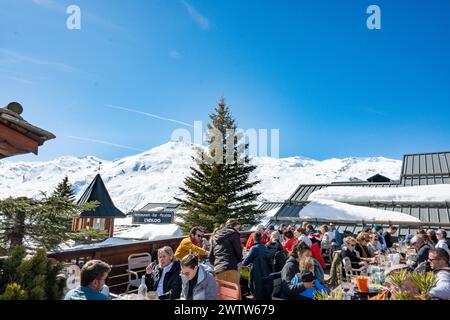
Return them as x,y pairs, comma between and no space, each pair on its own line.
150,115
106,143
196,16
11,57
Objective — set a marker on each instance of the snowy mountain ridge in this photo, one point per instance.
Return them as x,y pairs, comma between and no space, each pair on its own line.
156,175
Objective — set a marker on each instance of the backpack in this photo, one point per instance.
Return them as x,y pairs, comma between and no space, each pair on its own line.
279,260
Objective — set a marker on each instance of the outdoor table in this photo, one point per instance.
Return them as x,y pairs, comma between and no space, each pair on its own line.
135,296
358,295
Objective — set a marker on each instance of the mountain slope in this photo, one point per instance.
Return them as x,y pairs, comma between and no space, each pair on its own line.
157,174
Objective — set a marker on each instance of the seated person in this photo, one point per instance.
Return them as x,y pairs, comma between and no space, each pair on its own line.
362,241
350,252
306,274
439,261
163,276
198,281
290,269
421,248
93,276
374,246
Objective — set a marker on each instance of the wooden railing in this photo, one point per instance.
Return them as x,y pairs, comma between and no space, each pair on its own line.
117,257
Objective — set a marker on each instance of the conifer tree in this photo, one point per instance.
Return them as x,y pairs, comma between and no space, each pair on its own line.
64,189
219,187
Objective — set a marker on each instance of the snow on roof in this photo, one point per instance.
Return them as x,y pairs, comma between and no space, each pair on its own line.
337,211
152,232
426,193
107,243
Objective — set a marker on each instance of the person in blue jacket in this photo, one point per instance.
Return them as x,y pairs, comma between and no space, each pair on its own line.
259,258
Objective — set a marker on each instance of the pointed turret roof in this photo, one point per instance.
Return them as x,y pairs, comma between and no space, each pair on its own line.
96,191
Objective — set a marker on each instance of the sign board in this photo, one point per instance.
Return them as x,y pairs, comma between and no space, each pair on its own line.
157,217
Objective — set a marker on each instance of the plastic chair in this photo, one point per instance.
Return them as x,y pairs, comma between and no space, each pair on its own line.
228,290
349,270
137,262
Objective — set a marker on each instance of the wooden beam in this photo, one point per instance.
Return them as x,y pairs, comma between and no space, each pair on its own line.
17,139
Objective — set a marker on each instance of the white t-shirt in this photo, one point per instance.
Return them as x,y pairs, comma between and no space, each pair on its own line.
443,245
442,289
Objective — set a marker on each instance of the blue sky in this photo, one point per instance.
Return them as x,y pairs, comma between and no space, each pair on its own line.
311,69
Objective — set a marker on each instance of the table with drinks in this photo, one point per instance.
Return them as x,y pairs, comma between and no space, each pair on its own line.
371,279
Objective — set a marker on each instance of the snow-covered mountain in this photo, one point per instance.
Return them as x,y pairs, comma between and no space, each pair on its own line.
157,174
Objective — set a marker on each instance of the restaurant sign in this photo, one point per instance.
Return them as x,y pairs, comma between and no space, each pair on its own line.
157,217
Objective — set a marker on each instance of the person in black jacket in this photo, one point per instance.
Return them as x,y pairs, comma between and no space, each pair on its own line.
277,253
350,252
163,276
290,269
388,235
226,252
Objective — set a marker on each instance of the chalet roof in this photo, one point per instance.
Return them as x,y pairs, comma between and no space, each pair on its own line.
96,191
425,169
17,136
417,169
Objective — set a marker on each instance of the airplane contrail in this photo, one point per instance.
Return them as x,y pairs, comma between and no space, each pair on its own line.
106,142
149,115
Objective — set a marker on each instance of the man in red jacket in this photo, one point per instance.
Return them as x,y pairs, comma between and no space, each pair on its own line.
251,239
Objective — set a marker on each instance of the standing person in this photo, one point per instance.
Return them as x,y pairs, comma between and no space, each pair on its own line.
313,234
391,231
281,230
290,241
93,276
441,235
198,281
337,236
439,262
251,239
277,253
226,252
325,237
192,244
163,276
259,257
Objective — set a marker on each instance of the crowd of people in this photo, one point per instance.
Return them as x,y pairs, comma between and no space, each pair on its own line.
297,253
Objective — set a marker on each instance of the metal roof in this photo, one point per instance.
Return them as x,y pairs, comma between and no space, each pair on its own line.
167,207
425,169
96,191
303,191
266,206
417,169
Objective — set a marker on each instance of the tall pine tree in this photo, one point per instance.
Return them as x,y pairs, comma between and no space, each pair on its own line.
220,188
64,190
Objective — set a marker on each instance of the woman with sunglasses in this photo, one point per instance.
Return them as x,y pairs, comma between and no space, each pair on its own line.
350,251
198,280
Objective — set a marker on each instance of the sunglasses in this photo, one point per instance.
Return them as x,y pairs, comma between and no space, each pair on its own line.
199,235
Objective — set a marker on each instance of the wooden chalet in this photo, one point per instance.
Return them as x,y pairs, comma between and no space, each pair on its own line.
17,136
101,217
